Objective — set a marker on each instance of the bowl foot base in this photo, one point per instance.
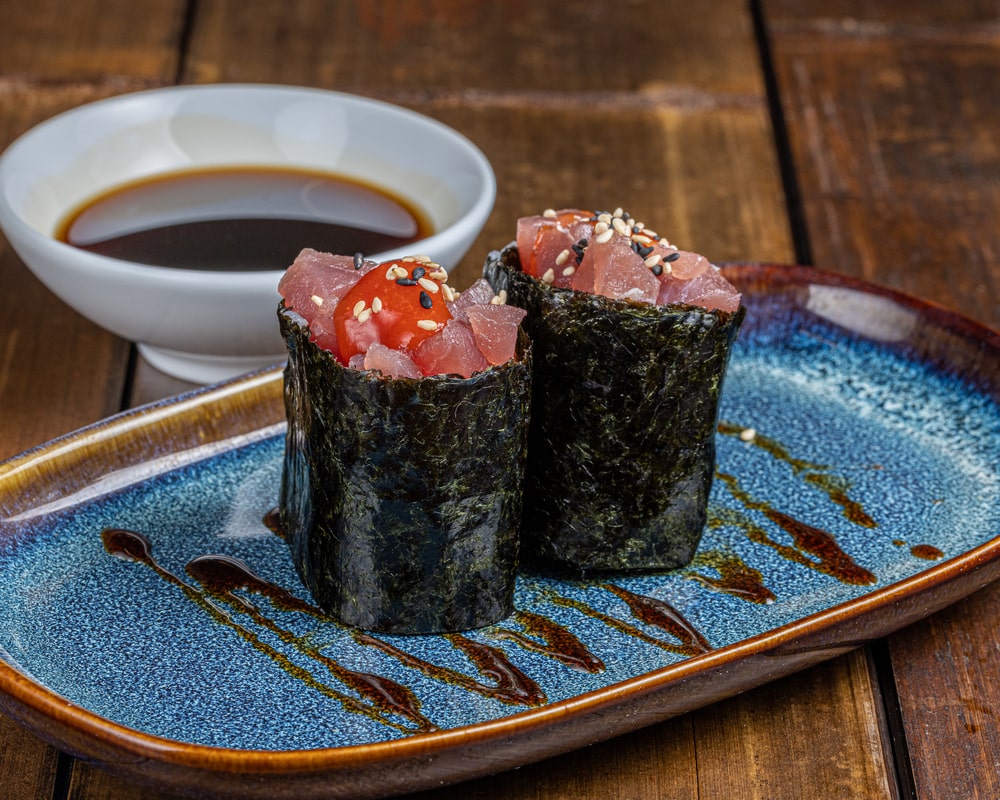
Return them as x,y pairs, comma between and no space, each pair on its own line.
200,368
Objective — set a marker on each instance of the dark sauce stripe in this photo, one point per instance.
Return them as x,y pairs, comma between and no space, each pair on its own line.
664,616
835,487
808,540
684,648
510,685
221,577
556,641
133,546
735,576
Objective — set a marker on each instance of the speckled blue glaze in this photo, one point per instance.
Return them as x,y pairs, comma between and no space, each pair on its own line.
855,439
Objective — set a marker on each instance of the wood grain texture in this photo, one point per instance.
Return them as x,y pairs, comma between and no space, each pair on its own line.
896,157
27,765
124,44
895,149
784,754
515,47
946,678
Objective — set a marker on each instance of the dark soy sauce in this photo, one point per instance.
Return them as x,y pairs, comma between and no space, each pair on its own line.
241,219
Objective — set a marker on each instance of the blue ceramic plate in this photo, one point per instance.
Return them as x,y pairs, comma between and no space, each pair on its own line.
142,583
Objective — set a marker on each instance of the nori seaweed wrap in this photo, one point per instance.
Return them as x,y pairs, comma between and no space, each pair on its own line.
624,414
401,496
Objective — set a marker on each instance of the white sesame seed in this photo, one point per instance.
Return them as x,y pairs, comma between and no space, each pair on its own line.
620,225
358,308
438,275
549,212
423,258
317,299
638,225
427,324
502,294
748,434
641,238
667,269
549,276
569,270
448,293
365,315
601,226
428,284
604,237
652,261
408,259
390,274
495,300
617,213
605,218
562,258
376,304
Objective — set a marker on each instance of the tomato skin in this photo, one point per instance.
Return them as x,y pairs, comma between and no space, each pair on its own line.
403,304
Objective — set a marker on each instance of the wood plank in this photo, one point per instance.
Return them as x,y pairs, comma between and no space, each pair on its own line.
27,765
407,47
896,157
946,678
784,754
892,119
128,44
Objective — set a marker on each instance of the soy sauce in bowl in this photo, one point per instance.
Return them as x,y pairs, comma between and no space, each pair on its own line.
241,219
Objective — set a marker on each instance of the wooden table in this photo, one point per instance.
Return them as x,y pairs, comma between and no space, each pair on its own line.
858,137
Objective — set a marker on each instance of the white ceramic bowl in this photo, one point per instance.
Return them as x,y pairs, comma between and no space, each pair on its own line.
206,326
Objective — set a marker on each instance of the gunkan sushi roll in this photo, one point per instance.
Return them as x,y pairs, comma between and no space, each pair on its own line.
407,407
631,338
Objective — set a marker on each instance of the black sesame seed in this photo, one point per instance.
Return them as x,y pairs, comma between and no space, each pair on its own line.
406,281
425,299
657,270
359,261
644,251
635,246
672,257
418,273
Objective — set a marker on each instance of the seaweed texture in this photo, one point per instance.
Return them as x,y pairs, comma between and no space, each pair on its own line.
401,498
622,441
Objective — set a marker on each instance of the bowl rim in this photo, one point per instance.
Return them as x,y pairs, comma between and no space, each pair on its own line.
11,219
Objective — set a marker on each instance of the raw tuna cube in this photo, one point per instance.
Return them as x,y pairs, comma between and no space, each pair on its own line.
495,330
391,363
452,351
